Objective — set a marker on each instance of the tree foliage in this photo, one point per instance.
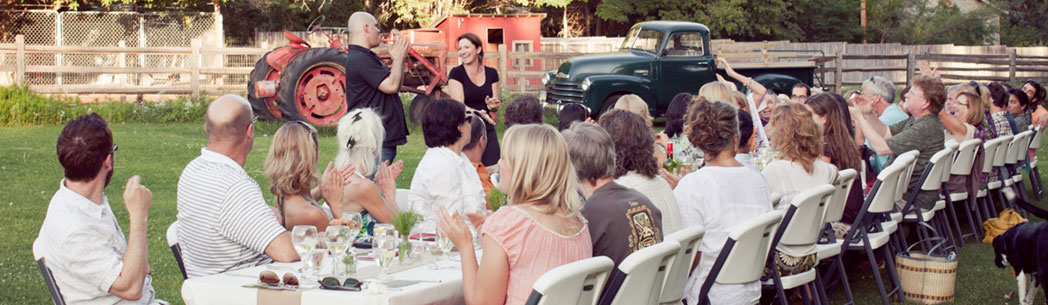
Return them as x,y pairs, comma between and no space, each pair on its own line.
1023,22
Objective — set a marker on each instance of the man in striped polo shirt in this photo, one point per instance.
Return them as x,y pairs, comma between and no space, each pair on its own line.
225,223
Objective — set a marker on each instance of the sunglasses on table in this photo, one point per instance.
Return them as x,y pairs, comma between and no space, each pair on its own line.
351,284
270,278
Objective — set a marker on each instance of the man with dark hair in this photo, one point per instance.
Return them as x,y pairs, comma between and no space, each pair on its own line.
80,239
742,153
525,109
370,84
474,150
445,176
922,132
800,93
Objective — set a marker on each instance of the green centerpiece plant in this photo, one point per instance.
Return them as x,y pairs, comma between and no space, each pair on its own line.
403,221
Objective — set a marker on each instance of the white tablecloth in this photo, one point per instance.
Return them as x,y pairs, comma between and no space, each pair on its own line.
227,288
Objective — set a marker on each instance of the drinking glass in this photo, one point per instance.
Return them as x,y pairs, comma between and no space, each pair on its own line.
444,242
304,239
318,256
384,229
339,240
384,250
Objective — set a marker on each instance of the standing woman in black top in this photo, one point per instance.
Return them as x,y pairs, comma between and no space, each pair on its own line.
477,86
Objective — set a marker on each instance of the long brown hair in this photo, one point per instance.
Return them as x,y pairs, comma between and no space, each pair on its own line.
796,135
840,145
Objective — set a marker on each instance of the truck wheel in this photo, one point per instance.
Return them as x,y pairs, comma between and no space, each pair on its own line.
418,108
609,103
312,87
264,107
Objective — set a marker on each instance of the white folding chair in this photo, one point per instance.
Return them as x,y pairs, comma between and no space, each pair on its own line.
577,283
800,227
1005,156
1035,176
983,198
52,284
743,255
643,274
831,248
403,195
690,239
867,232
176,249
929,181
963,164
1021,154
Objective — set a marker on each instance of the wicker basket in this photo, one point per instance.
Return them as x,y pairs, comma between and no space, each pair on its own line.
927,278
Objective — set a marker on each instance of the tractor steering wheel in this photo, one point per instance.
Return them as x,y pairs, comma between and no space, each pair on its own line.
314,26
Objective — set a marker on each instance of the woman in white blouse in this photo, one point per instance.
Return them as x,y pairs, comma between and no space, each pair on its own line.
445,175
720,195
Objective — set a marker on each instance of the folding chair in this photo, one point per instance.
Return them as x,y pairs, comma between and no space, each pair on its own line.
744,254
944,206
1035,176
908,161
403,196
962,166
577,283
1021,154
994,187
643,274
52,286
929,181
983,200
690,239
831,248
867,233
801,227
176,249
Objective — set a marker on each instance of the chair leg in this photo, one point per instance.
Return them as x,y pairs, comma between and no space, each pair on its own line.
952,219
890,266
976,231
821,289
844,280
876,273
1036,178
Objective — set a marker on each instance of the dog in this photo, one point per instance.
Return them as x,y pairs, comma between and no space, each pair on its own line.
1024,247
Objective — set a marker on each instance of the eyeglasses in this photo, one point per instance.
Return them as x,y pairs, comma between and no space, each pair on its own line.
351,284
115,148
270,278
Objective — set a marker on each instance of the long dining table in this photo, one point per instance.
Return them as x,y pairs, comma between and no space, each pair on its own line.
428,280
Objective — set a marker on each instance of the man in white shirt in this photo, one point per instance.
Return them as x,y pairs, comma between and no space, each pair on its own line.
80,240
225,222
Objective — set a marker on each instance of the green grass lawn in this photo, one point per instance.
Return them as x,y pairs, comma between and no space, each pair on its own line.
30,173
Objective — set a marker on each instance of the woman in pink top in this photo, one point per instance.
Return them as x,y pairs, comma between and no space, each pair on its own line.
540,229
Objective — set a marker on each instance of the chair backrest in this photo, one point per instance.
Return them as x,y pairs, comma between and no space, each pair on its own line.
577,283
1024,147
690,239
990,149
839,200
933,172
882,198
403,196
176,249
1038,134
803,221
1015,147
645,273
52,286
745,251
1003,151
908,161
962,164
948,162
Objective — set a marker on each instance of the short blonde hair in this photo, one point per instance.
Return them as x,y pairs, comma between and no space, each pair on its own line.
360,136
291,163
717,92
540,168
635,104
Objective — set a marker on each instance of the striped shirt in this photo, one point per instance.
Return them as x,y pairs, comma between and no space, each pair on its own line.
225,223
84,247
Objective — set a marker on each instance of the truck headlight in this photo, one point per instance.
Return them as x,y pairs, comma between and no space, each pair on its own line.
586,84
545,79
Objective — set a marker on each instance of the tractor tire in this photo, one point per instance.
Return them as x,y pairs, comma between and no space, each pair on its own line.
418,108
312,87
265,108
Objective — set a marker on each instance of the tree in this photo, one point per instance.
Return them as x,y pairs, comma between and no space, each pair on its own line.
1023,22
919,22
736,19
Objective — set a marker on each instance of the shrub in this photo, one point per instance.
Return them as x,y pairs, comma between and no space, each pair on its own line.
20,106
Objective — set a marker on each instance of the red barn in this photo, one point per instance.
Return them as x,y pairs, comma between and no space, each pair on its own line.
518,32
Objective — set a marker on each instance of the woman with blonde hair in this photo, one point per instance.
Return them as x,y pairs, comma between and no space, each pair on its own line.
291,167
718,92
360,136
635,104
541,227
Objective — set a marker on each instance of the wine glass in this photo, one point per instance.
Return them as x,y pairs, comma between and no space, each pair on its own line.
444,242
304,238
384,250
339,240
353,230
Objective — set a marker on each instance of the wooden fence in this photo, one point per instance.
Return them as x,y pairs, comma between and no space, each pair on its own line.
200,70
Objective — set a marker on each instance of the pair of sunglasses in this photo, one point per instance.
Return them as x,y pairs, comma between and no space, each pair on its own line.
351,284
270,278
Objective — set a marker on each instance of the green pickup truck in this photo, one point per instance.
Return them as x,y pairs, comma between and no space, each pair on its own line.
658,60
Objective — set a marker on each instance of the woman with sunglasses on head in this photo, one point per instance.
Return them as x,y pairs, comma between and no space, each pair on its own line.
541,228
360,136
291,167
477,87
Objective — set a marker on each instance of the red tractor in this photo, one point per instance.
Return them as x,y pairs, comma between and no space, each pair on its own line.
299,82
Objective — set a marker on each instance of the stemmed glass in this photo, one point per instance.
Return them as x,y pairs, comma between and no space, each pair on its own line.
384,250
304,238
338,241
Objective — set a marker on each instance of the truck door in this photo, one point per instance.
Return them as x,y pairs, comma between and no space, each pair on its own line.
684,66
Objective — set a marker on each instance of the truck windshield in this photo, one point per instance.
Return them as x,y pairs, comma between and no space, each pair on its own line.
642,39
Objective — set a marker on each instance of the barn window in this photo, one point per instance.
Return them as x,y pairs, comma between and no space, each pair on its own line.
522,46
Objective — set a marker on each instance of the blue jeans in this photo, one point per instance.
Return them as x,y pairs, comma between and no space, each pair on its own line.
387,154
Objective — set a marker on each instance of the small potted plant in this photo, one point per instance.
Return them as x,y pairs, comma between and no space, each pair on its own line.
496,199
403,221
